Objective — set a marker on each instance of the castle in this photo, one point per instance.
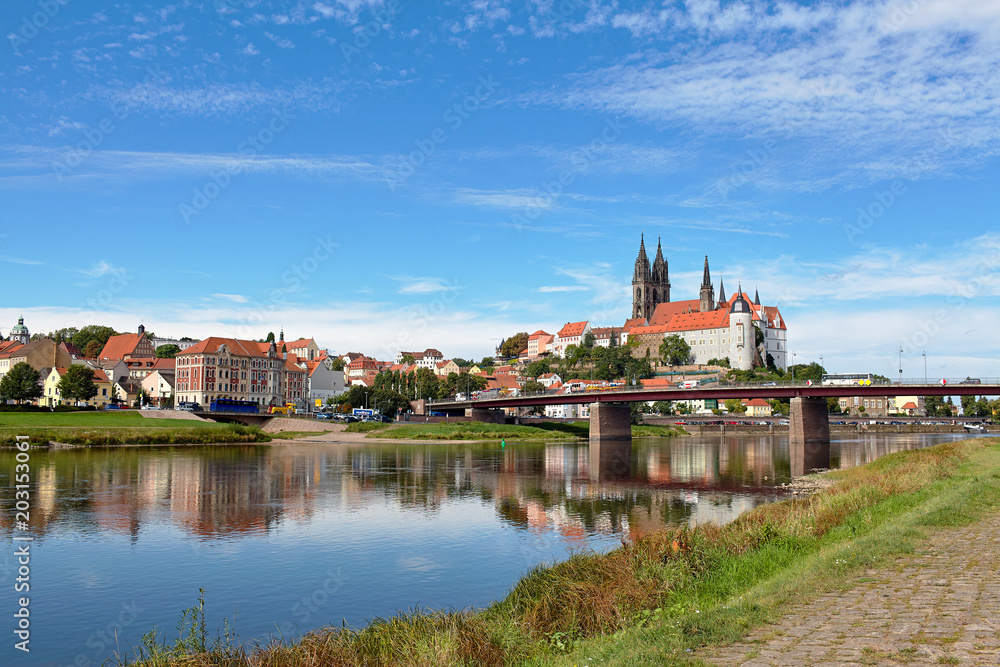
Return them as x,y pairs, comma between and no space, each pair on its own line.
714,329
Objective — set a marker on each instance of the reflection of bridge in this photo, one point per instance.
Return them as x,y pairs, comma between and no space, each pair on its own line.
809,425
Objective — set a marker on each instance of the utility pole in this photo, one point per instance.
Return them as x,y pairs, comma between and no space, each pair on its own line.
900,364
924,355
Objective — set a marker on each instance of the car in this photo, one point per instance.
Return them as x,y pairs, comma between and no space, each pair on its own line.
324,415
386,419
112,406
971,381
150,407
189,406
349,419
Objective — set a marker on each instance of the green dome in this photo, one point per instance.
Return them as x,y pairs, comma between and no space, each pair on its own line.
19,328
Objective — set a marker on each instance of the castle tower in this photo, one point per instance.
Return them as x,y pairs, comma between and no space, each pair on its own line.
707,291
743,339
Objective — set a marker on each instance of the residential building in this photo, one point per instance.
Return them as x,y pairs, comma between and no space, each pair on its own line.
182,344
757,407
912,406
38,354
549,379
158,387
571,333
139,368
50,389
361,367
444,368
323,381
295,383
230,368
115,369
538,344
305,349
874,406
429,358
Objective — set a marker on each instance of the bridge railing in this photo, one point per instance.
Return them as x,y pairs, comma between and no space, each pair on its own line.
727,384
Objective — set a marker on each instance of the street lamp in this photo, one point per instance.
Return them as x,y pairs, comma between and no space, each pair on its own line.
924,355
900,364
793,366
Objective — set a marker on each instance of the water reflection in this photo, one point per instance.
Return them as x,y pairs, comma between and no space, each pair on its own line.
407,524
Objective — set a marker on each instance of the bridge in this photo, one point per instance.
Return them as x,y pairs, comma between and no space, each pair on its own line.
809,425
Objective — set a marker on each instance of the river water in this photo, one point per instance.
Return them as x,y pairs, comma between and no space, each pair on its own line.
288,538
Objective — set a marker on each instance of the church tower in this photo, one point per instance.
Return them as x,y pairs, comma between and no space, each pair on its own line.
642,284
707,291
20,332
661,278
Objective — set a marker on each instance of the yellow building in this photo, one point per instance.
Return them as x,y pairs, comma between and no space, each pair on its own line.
51,396
757,407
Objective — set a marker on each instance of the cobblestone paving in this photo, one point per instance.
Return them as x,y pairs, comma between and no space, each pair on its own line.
940,606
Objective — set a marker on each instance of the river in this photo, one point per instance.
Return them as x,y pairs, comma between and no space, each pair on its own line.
287,538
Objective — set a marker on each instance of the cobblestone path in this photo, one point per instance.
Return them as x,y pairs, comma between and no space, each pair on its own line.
939,606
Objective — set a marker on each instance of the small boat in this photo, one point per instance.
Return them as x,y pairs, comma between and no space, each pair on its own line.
975,428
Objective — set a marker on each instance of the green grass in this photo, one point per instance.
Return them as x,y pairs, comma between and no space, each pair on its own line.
115,427
655,599
365,427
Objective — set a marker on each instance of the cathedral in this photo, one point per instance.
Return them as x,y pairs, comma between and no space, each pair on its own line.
737,328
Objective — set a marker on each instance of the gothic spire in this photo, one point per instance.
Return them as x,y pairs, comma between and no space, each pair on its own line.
756,297
641,273
706,280
722,291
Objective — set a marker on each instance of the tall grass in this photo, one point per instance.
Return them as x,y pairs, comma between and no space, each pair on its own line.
105,437
667,592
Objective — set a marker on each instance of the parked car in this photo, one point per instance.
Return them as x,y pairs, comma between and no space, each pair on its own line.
324,415
112,406
189,406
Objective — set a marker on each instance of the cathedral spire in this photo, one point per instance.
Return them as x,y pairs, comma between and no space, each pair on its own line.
722,291
756,297
707,291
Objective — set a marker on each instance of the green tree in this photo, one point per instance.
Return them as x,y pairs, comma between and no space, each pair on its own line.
832,405
663,407
937,407
514,345
407,359
811,371
723,362
270,337
674,350
588,340
532,387
735,406
168,351
339,364
537,367
77,383
463,383
64,335
21,383
92,350
93,332
461,363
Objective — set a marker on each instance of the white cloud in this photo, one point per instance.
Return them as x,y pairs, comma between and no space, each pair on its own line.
425,285
102,268
563,288
235,298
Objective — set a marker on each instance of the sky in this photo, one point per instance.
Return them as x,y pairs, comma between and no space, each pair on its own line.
387,175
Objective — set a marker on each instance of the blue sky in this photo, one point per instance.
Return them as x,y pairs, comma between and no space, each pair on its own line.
386,175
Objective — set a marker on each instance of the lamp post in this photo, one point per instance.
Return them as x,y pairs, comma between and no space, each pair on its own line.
924,355
793,366
900,364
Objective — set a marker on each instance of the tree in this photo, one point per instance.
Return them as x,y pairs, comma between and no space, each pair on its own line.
770,363
339,364
724,362
93,332
77,383
833,405
270,337
92,350
532,387
663,407
537,368
514,345
168,351
64,335
674,351
461,363
457,383
407,359
588,340
21,383
812,371
735,406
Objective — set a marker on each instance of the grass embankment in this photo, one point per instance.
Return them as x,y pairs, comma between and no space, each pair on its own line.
484,431
118,428
653,600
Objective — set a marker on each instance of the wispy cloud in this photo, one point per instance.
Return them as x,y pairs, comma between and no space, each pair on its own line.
563,288
235,298
424,285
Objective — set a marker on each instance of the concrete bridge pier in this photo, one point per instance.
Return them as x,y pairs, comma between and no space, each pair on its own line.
487,415
610,440
808,435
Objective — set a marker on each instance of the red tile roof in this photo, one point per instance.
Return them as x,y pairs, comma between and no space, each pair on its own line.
756,402
571,329
909,405
538,334
211,345
119,347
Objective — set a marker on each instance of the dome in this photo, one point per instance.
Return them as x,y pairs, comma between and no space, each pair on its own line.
740,305
19,327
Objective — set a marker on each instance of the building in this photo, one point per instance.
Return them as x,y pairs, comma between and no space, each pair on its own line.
38,354
50,389
538,344
128,346
19,333
713,328
322,380
650,284
183,343
230,368
304,349
158,387
139,368
871,406
572,333
757,407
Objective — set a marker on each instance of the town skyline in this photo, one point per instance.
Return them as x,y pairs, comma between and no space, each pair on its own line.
379,178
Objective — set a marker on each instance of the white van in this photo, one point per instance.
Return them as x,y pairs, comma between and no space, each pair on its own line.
691,384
